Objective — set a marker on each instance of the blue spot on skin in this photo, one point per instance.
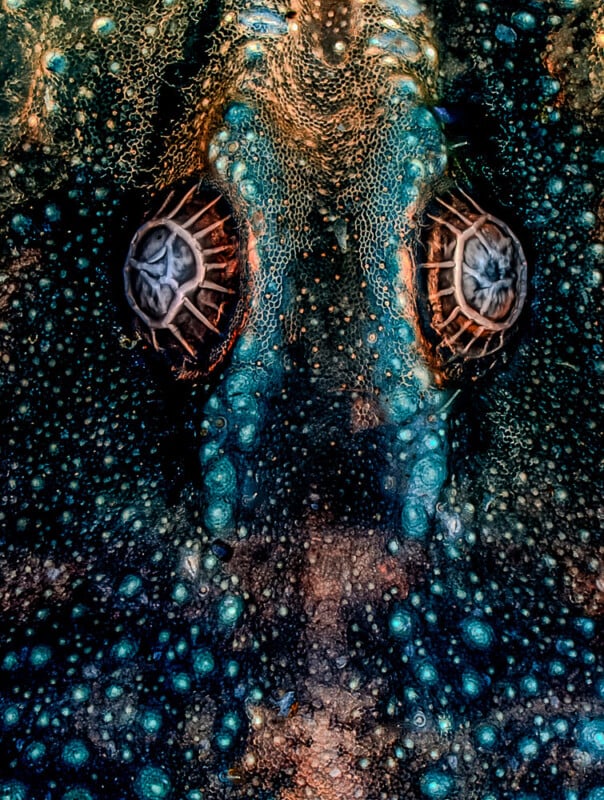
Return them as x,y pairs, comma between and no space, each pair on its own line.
396,43
505,34
130,586
75,754
13,790
263,22
56,62
524,20
153,783
40,656
436,786
414,519
220,478
472,684
400,624
477,634
230,609
404,8
590,737
219,518
486,736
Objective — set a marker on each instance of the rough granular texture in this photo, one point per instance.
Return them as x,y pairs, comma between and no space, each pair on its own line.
81,85
326,572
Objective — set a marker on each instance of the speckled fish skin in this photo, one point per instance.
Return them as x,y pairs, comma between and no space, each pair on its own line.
250,588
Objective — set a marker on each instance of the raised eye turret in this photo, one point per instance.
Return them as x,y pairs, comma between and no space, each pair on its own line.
182,279
472,284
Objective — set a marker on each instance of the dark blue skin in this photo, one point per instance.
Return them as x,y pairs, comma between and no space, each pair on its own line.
267,624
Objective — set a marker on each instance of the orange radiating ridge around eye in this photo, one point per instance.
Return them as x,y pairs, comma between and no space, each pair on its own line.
472,285
182,278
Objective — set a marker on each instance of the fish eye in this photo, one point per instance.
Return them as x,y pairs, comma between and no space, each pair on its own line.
471,286
183,277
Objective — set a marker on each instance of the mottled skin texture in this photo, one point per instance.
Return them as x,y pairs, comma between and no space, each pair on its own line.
269,624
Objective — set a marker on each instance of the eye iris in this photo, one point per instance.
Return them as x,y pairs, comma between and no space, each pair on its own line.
182,279
476,281
489,273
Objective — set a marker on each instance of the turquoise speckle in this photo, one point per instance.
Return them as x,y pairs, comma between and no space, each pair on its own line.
231,722
471,684
124,649
130,586
395,43
248,190
590,738
414,519
431,442
528,748
203,662
221,478
181,682
75,753
556,185
585,626
13,790
400,624
557,668
40,656
505,34
80,694
477,634
152,783
224,741
55,62
103,26
238,171
180,593
10,661
429,474
524,20
435,785
52,212
35,751
404,8
264,22
596,794
151,721
239,115
77,793
219,517
427,674
403,405
114,691
486,736
10,716
529,685
246,436
240,382
560,727
232,669
229,609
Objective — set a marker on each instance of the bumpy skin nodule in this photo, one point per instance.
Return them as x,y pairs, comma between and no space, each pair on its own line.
330,310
